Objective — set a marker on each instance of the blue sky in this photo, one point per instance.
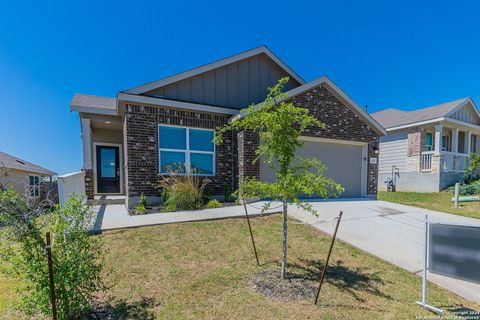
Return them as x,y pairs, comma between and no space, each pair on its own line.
382,53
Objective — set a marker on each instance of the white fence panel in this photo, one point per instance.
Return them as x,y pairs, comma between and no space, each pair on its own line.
70,183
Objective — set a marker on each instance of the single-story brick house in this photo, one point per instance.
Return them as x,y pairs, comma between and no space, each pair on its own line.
131,140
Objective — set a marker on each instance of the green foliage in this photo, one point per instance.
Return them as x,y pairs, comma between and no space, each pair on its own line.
279,124
212,204
473,165
141,207
467,189
143,201
77,257
184,192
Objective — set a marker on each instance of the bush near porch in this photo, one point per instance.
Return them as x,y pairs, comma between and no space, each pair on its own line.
203,270
440,201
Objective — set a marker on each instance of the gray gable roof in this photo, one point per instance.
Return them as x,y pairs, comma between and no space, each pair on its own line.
390,118
12,162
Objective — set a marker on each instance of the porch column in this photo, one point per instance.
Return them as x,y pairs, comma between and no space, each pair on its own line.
438,138
455,140
468,139
87,143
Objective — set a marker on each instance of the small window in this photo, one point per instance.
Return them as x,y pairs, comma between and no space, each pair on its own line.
34,186
428,141
186,151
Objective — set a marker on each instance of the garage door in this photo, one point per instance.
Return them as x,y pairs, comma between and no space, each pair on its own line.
344,163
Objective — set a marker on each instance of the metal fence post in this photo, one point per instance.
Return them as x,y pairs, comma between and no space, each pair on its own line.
48,248
324,272
251,233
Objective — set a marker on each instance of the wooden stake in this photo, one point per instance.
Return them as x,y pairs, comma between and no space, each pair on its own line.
251,233
48,248
324,272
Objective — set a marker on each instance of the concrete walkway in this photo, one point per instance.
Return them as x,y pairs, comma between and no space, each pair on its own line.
393,232
116,216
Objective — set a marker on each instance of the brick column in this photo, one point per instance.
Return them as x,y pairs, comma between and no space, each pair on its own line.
247,144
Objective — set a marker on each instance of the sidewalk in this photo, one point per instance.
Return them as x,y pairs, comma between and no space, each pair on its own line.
115,216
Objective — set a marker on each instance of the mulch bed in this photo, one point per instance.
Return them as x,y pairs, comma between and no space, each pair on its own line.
295,287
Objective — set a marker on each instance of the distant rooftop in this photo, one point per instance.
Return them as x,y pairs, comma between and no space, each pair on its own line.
11,162
390,118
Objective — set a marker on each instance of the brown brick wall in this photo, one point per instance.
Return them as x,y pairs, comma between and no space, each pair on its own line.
248,142
89,182
141,146
414,142
341,123
234,157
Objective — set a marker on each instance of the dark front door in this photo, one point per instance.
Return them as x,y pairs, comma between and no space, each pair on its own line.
108,169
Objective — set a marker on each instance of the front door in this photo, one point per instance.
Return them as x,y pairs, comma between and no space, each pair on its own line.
108,169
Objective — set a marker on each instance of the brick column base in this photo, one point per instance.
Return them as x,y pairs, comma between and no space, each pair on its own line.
89,189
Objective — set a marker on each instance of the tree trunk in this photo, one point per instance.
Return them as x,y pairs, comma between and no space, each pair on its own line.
284,253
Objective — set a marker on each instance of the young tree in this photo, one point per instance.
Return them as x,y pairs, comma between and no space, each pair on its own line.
77,257
279,124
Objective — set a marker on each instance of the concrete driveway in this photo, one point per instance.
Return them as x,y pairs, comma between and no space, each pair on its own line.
393,232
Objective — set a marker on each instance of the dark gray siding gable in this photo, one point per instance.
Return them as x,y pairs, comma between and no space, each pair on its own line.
233,86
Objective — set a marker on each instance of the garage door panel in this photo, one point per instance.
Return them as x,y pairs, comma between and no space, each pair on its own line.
343,161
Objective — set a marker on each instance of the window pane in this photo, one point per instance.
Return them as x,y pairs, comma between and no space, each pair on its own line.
107,163
172,162
201,163
31,180
172,138
36,179
201,140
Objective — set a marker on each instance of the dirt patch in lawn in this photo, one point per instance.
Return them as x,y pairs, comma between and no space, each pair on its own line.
295,287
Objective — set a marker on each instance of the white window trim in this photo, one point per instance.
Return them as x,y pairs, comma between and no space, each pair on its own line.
187,152
31,187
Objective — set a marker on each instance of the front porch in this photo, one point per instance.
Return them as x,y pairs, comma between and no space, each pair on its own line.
446,148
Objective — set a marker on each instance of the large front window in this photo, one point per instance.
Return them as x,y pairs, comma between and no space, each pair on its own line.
186,150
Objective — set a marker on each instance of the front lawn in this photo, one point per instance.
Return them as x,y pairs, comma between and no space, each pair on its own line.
440,201
203,270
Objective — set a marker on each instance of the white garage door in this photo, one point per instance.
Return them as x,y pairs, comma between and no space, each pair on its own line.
344,163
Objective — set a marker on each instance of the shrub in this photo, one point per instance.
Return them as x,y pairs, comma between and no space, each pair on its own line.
184,192
213,204
467,189
141,207
143,201
77,256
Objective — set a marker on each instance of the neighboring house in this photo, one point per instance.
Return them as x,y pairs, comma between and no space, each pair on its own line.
24,177
133,139
428,147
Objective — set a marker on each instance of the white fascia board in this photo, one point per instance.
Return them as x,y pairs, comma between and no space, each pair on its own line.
175,104
83,109
463,124
415,124
214,65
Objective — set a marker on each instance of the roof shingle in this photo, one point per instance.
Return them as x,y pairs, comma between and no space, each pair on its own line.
11,162
390,118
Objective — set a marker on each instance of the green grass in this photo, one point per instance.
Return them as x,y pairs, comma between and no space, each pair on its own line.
202,270
440,201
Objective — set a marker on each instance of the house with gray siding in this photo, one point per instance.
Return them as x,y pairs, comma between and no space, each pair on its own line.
426,150
131,140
